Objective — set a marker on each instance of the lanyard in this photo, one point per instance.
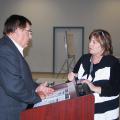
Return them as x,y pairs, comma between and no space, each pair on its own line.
91,68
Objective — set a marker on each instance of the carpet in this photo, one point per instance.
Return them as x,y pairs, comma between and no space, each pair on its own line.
50,80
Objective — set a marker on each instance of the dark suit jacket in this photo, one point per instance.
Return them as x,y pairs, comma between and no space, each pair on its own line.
17,88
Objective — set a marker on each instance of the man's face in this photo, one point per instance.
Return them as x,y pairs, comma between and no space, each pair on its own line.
24,36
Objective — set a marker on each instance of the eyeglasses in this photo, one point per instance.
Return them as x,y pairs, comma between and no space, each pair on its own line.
30,31
103,34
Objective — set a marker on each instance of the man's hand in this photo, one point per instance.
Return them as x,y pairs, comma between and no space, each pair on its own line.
43,91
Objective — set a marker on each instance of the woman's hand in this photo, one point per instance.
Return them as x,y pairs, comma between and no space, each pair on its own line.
92,87
71,76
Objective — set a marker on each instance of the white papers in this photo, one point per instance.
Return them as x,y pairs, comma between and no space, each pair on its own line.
58,95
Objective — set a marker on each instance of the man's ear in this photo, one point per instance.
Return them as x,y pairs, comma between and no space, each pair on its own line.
17,30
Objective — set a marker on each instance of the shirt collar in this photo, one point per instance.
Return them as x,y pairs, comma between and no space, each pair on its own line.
18,46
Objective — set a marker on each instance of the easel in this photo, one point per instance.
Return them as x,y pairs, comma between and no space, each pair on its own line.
69,62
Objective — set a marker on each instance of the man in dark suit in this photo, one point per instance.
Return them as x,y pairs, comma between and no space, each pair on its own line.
17,89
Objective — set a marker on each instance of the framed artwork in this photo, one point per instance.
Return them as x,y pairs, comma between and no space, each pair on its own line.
68,43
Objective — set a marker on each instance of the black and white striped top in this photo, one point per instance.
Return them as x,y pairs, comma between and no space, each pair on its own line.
107,75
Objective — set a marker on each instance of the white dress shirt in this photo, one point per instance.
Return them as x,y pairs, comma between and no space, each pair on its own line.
18,46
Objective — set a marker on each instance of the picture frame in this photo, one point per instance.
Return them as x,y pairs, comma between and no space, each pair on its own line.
60,54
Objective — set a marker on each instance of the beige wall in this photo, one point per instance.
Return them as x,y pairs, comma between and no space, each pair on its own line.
45,14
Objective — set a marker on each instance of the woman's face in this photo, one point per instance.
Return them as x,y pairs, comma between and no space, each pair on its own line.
95,47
